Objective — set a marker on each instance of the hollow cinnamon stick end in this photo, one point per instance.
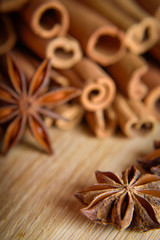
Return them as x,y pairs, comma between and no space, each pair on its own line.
64,52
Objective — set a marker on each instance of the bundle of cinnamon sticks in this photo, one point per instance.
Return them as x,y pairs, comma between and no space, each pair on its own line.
110,49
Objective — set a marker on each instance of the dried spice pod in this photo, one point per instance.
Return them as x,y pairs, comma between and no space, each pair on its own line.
29,62
100,39
102,122
151,162
130,201
64,52
141,29
127,73
47,19
7,6
8,36
152,80
133,118
98,89
24,103
73,112
153,7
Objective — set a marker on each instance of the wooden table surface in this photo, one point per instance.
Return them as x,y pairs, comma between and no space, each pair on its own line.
36,190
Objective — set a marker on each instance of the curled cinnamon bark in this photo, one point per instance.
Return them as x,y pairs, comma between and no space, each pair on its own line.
47,19
133,117
7,35
63,51
11,5
141,30
155,51
153,7
100,39
127,73
102,122
73,112
98,88
152,81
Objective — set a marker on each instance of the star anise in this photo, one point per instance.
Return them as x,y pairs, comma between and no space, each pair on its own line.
133,200
151,162
27,101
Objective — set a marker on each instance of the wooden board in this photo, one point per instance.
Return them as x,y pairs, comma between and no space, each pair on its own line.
36,190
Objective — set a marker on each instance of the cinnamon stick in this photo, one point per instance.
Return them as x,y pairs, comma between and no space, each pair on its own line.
63,51
98,89
7,36
155,51
11,5
133,118
47,19
153,7
152,81
102,122
141,30
100,39
73,112
127,73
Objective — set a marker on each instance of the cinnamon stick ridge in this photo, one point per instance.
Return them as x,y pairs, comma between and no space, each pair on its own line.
127,73
72,112
47,19
102,122
64,52
155,51
7,36
13,5
152,81
153,7
141,30
100,39
133,118
98,89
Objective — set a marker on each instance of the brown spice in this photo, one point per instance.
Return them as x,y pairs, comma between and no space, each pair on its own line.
8,36
127,73
151,162
102,122
24,104
100,39
47,19
128,201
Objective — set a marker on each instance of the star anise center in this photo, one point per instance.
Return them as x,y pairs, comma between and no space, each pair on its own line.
128,187
25,104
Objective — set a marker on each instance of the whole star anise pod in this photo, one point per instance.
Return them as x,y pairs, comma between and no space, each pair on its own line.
27,101
151,162
130,201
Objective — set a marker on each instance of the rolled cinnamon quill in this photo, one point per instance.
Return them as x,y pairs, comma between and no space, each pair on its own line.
153,7
100,39
7,35
98,89
127,73
73,112
11,5
141,30
133,118
64,52
155,51
152,81
102,122
47,19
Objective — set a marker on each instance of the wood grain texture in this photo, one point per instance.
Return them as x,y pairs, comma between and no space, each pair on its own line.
36,190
